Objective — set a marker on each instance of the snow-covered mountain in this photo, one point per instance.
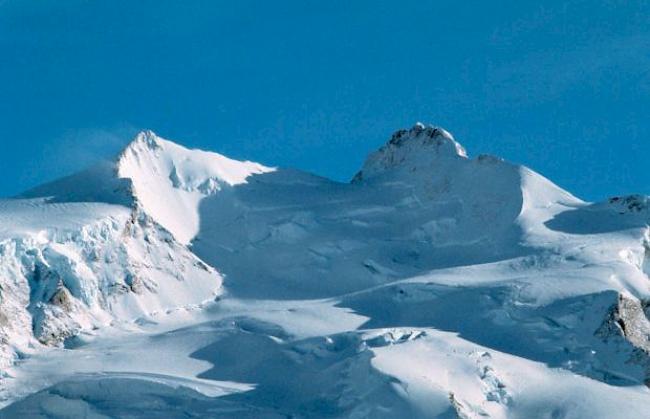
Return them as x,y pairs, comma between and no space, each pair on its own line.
173,282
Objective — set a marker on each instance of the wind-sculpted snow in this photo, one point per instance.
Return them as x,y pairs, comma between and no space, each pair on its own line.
432,285
312,237
616,214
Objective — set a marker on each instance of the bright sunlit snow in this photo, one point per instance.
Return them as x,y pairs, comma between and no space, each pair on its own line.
180,283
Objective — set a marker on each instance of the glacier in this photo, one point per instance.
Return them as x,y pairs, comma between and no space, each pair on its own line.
171,282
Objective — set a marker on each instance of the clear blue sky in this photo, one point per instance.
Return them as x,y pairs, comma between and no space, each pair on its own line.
562,88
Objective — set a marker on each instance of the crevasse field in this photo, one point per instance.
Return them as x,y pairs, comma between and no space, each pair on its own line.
175,283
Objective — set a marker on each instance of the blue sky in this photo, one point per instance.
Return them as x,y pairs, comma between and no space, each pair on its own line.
561,87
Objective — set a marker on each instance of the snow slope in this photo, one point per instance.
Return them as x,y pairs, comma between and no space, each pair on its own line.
170,181
165,180
432,285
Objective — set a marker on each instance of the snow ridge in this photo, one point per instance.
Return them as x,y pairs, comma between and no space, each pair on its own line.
432,285
169,181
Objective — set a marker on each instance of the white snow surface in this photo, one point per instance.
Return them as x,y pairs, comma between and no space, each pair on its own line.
180,283
169,181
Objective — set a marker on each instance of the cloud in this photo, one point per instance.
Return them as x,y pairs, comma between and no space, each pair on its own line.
78,149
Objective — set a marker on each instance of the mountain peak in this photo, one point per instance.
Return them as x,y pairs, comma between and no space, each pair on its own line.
169,181
144,140
426,131
148,138
420,146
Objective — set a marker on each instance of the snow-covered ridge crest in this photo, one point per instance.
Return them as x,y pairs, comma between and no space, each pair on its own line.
409,150
169,181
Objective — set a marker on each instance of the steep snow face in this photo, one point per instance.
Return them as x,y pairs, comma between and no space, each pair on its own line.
74,267
169,181
39,273
165,180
